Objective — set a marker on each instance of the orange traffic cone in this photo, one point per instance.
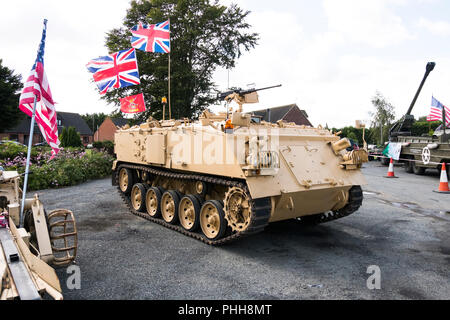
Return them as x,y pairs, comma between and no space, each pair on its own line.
443,184
390,173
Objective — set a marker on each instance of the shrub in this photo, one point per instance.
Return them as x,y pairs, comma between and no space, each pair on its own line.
424,127
71,166
70,138
106,145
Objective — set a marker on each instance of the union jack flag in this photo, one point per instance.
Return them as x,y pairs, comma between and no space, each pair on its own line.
37,87
117,70
151,37
436,112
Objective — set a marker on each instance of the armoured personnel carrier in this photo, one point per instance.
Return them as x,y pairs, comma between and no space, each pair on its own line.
27,252
425,152
229,174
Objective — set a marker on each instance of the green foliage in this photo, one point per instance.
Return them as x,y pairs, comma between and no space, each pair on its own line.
94,120
69,167
106,145
356,134
352,133
353,137
10,85
70,171
420,128
204,36
382,118
10,150
70,138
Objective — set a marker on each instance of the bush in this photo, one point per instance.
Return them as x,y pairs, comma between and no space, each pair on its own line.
11,150
423,127
106,145
69,167
70,138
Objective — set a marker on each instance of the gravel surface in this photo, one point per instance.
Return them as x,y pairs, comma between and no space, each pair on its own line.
402,227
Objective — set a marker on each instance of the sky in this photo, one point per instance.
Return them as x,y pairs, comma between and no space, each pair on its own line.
330,56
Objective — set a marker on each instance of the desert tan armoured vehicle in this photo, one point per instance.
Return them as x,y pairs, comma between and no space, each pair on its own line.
228,175
26,253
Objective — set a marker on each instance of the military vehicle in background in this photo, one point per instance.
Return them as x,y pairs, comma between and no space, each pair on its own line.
227,175
420,153
27,252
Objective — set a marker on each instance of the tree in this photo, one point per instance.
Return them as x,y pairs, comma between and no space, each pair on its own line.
94,120
70,138
355,134
382,118
204,35
10,85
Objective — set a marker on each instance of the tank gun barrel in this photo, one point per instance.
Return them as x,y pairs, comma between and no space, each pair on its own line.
403,126
430,66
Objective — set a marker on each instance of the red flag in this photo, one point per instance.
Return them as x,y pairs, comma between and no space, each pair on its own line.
133,104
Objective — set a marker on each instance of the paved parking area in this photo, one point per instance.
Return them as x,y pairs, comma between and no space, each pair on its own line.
402,228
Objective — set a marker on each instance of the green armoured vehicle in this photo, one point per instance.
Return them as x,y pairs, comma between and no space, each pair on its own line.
425,152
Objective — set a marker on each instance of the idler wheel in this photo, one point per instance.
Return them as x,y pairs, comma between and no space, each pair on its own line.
237,209
153,201
212,220
170,202
189,212
138,194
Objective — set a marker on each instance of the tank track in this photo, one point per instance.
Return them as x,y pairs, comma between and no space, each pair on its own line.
355,199
261,208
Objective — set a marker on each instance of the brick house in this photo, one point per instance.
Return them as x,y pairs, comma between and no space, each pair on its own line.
108,128
288,113
21,132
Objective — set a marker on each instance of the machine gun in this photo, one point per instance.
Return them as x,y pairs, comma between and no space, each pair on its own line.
223,95
241,96
403,126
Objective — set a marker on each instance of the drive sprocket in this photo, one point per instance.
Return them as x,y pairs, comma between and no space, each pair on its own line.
237,207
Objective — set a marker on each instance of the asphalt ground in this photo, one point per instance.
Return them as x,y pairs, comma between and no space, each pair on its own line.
402,227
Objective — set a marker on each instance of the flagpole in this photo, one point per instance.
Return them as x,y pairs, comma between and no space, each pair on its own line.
443,118
170,110
27,168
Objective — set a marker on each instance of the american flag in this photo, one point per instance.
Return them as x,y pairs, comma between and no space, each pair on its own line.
436,112
37,86
117,70
152,37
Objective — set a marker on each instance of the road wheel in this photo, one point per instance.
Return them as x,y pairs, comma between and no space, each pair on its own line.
138,197
126,180
153,201
189,212
212,220
409,166
418,170
170,202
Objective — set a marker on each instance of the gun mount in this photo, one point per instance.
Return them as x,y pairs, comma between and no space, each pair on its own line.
403,126
241,96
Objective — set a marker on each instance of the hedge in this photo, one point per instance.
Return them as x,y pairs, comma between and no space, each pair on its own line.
106,145
69,167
